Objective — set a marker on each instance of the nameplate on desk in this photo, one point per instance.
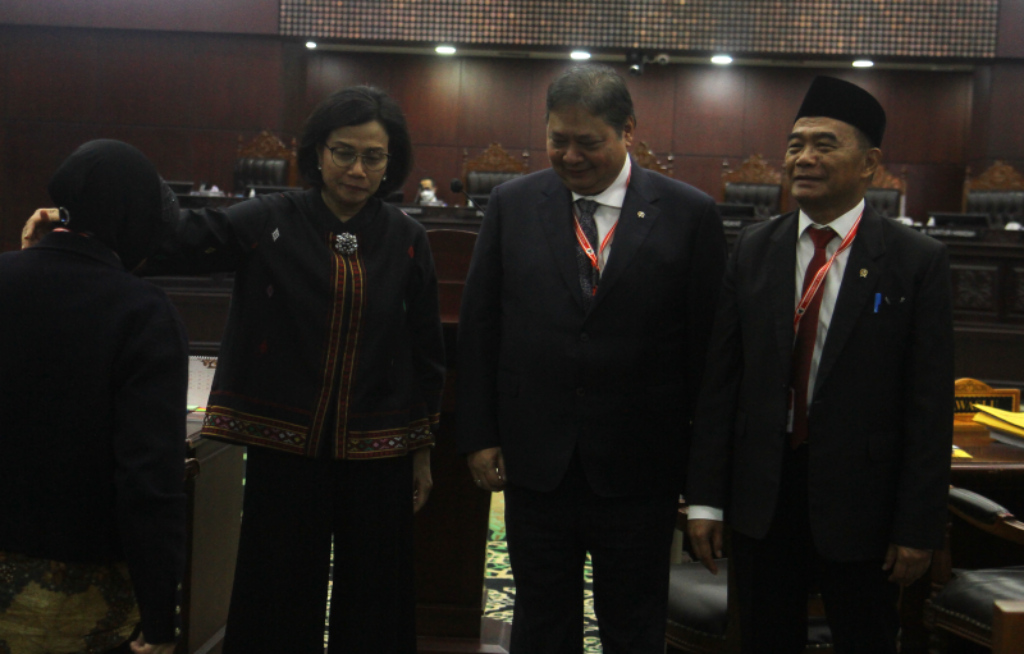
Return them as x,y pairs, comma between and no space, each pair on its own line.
413,211
965,404
953,232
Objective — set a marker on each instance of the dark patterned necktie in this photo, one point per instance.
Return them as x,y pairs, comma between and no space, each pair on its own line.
585,210
806,333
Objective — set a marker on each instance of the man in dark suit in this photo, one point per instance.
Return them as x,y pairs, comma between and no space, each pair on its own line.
584,324
825,421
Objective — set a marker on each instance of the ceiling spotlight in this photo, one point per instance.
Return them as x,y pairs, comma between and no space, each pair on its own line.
311,45
863,63
445,50
635,61
721,59
580,55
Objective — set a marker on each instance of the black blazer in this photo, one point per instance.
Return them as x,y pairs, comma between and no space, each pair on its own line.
541,376
880,422
93,374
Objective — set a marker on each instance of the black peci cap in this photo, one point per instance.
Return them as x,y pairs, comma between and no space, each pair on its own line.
831,97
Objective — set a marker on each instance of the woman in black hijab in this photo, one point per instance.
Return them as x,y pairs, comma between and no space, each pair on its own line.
93,371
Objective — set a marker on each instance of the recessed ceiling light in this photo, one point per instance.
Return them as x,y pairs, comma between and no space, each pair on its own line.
721,59
580,55
863,63
311,45
445,49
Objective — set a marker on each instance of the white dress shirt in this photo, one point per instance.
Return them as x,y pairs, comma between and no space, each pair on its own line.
830,291
609,206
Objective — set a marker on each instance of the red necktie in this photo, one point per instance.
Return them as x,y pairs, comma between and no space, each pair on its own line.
803,348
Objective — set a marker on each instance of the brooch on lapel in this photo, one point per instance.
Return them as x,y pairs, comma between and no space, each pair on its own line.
346,244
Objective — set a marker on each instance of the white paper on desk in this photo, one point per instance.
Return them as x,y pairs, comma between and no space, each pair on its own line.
200,380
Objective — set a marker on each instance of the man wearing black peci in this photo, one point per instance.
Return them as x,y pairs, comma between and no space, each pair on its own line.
825,421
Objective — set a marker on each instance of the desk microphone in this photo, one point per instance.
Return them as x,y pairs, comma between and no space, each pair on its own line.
457,187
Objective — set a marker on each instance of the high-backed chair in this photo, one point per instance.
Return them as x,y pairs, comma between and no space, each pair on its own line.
265,162
703,616
999,192
756,183
492,167
642,155
964,601
888,194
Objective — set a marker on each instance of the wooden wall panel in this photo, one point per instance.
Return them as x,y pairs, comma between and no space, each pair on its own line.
494,99
654,103
238,84
709,107
51,75
327,72
928,117
145,79
427,88
228,16
1006,121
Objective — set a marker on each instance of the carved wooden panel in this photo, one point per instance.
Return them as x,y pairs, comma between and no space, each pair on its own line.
643,156
974,288
884,179
755,170
494,160
999,177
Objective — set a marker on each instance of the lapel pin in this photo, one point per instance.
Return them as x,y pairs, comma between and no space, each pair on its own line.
863,272
641,214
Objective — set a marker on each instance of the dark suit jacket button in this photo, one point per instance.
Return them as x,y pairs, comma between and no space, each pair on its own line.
584,337
580,391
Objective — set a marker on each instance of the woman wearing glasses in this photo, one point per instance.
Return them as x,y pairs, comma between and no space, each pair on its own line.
330,371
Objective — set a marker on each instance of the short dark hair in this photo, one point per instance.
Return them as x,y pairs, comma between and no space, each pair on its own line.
597,88
357,105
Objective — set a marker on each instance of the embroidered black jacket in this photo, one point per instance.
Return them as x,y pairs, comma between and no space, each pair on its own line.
321,349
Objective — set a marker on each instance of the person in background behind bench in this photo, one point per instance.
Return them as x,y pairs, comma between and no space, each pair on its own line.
826,417
93,375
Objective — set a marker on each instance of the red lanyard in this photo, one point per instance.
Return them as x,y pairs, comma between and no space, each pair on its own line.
588,249
819,278
584,242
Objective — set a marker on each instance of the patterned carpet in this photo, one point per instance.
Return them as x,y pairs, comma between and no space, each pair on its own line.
501,590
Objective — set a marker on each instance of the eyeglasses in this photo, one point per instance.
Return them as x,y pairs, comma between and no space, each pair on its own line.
344,157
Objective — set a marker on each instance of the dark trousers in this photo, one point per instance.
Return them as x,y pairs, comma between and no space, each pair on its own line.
292,506
549,535
774,576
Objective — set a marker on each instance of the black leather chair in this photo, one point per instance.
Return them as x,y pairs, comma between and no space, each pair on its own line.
1001,206
764,198
963,605
492,167
998,192
479,183
886,201
265,162
755,182
702,619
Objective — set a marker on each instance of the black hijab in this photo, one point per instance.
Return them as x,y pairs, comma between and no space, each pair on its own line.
112,192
